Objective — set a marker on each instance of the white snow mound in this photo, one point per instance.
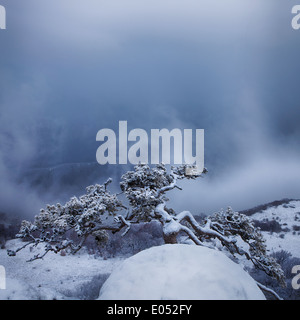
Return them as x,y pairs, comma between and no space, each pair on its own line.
180,272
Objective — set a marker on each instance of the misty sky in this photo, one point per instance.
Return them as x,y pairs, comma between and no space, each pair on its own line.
69,68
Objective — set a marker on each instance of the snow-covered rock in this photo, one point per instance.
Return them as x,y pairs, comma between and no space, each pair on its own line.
172,272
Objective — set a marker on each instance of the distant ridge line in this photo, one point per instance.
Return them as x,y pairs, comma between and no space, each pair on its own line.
276,203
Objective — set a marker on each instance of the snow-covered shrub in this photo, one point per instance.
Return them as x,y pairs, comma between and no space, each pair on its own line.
271,226
287,262
89,215
145,188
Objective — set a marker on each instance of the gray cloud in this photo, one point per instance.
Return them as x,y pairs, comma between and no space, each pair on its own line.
70,68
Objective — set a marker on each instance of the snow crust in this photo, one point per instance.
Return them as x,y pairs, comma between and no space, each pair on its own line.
180,271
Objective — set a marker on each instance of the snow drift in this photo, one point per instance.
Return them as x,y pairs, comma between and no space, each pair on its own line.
179,271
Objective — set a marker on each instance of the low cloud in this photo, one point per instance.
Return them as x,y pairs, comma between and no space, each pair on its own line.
70,68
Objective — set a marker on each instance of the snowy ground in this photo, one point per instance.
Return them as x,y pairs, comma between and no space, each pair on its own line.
288,216
77,276
81,276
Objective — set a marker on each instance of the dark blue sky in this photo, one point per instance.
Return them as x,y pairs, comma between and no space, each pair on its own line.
69,68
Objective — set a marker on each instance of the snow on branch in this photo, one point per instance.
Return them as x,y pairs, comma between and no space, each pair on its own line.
85,216
145,189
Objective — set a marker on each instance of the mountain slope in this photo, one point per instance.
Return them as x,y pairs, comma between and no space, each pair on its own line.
280,224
